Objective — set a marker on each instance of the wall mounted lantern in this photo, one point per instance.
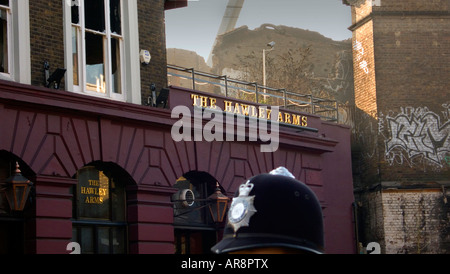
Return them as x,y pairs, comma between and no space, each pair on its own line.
218,204
17,190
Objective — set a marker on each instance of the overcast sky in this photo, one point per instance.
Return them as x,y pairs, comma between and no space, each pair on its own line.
195,27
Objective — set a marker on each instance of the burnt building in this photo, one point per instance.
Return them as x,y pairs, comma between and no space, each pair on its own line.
80,123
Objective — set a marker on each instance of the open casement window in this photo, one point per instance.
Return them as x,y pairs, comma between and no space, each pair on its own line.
97,47
5,22
99,212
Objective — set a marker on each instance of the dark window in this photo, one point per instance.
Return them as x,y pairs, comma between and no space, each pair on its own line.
95,63
115,13
94,11
75,13
99,224
115,64
4,17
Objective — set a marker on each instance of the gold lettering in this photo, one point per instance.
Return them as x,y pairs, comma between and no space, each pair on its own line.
287,118
212,103
280,117
103,191
195,99
295,119
245,109
94,182
254,111
88,190
204,101
237,109
94,200
228,106
304,121
231,107
269,112
262,113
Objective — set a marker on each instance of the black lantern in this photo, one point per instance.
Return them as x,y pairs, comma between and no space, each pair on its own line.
218,204
17,190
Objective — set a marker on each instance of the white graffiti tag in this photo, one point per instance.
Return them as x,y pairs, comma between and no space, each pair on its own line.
419,133
359,52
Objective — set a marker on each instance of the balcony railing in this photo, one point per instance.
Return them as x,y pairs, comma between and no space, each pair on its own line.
251,91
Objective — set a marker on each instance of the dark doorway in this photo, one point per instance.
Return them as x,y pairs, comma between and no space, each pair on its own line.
11,236
189,241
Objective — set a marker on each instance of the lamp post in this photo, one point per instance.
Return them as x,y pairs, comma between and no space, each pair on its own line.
17,189
218,204
271,45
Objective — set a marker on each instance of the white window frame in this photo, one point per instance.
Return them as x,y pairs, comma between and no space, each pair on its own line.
18,35
129,52
7,75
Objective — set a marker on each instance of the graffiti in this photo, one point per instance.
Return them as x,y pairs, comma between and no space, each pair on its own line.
343,73
447,160
359,49
418,132
376,3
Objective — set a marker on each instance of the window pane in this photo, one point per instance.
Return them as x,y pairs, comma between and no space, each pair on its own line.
94,11
4,41
118,240
4,2
103,241
75,13
116,66
75,55
87,240
115,16
95,64
93,194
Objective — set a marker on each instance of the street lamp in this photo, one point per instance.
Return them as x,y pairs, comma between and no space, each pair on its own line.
17,189
271,45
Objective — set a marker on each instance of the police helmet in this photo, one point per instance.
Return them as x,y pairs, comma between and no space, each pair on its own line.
273,210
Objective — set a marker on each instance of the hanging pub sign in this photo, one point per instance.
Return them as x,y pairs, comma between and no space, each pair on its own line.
93,193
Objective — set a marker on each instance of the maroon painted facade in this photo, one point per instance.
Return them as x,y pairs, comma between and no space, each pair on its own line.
55,133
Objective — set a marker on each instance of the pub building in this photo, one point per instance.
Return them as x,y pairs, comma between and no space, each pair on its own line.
87,165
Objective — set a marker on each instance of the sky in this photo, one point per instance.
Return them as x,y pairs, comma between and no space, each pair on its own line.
195,27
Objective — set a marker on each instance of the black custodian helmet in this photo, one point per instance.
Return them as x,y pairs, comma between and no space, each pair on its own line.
273,210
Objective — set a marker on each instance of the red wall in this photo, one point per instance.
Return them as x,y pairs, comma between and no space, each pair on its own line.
56,133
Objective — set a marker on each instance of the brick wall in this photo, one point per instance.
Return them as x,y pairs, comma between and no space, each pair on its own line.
402,88
46,37
152,37
365,130
415,221
47,41
403,126
411,54
405,220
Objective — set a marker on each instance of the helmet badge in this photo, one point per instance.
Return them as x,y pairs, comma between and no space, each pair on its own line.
242,208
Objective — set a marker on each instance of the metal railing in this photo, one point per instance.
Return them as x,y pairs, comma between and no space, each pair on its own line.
327,109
